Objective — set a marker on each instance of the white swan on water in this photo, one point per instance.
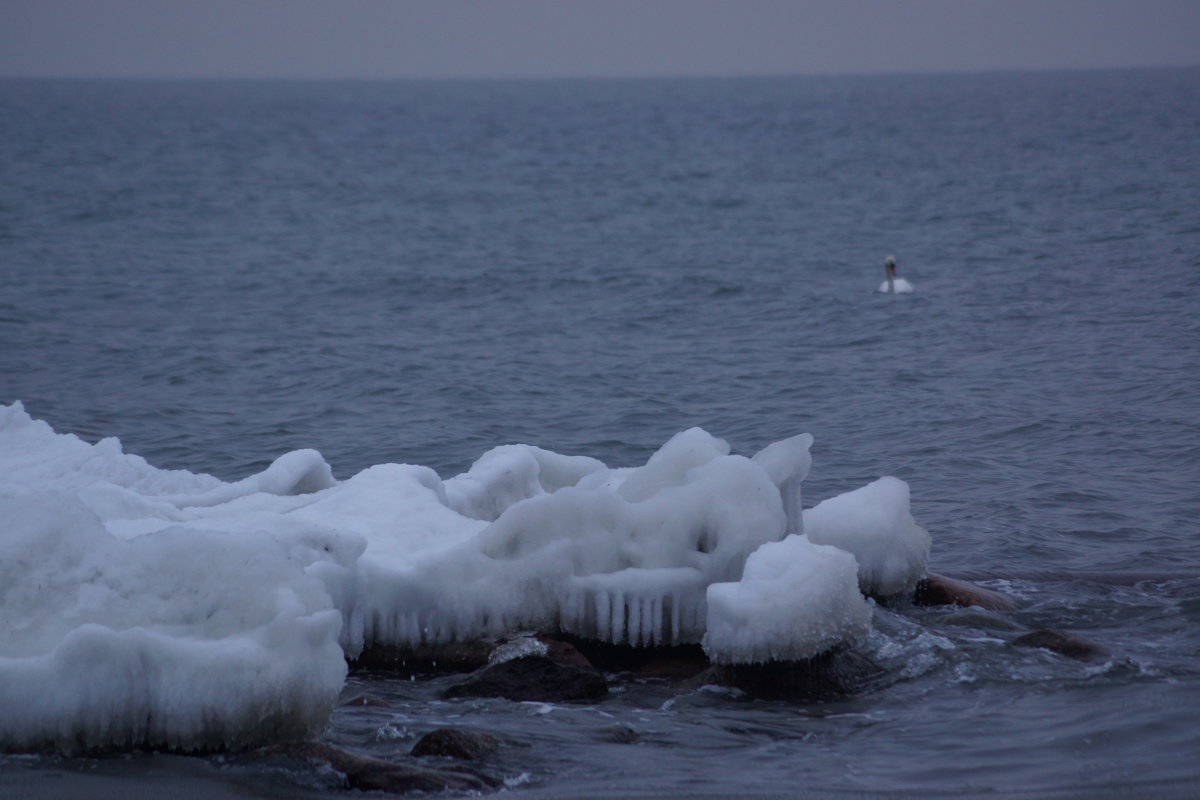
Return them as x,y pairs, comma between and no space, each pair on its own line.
893,285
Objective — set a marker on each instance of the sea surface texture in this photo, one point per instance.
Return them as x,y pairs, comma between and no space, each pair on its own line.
218,273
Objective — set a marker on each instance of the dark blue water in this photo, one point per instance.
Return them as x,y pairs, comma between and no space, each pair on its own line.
217,273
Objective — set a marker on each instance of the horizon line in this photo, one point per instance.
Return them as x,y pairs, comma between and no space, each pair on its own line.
479,77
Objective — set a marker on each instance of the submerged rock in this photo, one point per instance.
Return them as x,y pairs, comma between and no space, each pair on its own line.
835,673
1061,642
978,618
533,678
938,590
374,775
620,734
457,743
365,700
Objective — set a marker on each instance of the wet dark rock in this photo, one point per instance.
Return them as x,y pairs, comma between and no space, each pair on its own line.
672,664
836,673
668,662
533,678
366,700
938,590
426,659
374,775
565,653
457,743
978,618
1061,642
620,734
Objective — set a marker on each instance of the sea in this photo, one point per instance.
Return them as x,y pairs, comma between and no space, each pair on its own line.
220,272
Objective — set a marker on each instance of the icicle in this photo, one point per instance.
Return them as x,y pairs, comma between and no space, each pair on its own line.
656,614
648,623
675,620
603,617
618,618
635,621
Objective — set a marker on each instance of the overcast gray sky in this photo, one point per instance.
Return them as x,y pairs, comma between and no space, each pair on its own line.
559,38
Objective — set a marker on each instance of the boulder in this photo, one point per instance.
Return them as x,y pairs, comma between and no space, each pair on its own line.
426,659
978,618
667,662
564,653
366,700
533,678
830,675
619,734
374,775
1061,642
457,743
938,590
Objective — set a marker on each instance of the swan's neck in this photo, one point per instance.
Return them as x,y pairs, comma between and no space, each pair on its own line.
891,282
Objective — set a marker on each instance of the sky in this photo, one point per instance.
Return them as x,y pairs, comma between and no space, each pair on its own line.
585,38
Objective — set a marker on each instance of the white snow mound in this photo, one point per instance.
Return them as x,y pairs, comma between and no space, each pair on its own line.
142,607
795,600
179,639
875,524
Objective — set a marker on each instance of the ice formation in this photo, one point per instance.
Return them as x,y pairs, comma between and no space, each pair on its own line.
787,463
624,557
875,524
795,600
147,607
123,622
184,639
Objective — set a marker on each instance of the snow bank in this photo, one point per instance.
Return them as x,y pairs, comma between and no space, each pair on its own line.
796,600
622,556
147,607
127,620
180,639
874,523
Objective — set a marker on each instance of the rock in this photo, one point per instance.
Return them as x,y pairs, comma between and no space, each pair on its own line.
835,673
978,618
1061,642
535,678
620,734
672,664
426,659
373,775
668,662
565,653
938,590
510,647
457,743
556,650
366,700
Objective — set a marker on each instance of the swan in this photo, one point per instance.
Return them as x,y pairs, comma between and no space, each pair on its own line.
893,285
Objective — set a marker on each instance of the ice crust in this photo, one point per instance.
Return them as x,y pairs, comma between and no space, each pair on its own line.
625,558
875,524
142,607
795,600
